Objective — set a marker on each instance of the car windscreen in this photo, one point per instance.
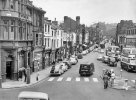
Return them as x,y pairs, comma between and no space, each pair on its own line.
85,67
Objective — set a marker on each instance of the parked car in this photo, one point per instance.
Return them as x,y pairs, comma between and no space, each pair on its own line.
101,51
30,95
75,57
105,59
64,67
86,69
84,52
79,56
73,61
68,63
100,57
56,70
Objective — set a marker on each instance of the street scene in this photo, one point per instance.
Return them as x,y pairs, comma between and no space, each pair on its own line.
67,56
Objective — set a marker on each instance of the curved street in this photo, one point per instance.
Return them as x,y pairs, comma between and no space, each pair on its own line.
70,86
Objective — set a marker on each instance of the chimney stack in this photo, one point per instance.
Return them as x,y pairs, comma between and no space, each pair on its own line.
78,19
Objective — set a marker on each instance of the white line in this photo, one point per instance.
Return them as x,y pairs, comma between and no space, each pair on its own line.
86,79
60,79
77,79
95,79
51,79
68,79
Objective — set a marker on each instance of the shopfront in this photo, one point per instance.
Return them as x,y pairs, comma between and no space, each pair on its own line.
47,58
37,61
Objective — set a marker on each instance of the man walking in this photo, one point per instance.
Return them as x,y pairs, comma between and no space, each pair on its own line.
105,80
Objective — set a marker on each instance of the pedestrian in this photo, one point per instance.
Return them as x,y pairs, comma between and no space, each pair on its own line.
112,78
37,77
105,80
20,74
25,73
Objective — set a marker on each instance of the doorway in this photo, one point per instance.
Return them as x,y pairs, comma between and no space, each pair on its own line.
9,69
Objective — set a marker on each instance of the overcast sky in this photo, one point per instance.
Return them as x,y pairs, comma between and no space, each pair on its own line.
90,11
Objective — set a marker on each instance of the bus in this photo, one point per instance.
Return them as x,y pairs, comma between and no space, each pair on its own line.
128,59
113,51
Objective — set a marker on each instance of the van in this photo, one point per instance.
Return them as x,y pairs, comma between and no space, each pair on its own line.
86,69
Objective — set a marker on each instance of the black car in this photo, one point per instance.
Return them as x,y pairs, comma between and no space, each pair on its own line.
86,69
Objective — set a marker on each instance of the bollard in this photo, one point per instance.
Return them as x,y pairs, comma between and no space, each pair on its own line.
126,84
121,73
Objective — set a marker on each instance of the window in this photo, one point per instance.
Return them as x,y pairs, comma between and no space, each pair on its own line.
12,30
40,39
45,41
20,30
45,27
3,4
6,30
12,25
11,4
52,33
48,28
36,39
24,31
48,42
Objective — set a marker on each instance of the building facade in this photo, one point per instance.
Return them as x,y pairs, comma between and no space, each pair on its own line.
47,41
128,39
17,36
121,31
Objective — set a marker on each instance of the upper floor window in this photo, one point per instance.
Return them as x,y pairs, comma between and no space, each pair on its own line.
12,25
45,26
48,28
12,4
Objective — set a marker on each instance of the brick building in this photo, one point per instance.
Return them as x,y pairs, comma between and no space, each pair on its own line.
121,31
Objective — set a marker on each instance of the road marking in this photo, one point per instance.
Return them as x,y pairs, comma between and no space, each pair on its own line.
95,79
77,79
51,79
68,79
60,79
86,79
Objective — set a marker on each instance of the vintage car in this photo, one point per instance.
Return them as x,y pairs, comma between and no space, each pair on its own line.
86,69
30,95
112,62
79,56
100,57
105,59
73,60
57,70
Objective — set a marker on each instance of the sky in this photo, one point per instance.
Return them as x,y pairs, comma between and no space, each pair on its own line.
90,11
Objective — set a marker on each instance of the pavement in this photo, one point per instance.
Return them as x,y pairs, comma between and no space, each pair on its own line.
119,83
15,84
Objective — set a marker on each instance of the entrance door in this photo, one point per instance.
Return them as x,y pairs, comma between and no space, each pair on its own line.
8,69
